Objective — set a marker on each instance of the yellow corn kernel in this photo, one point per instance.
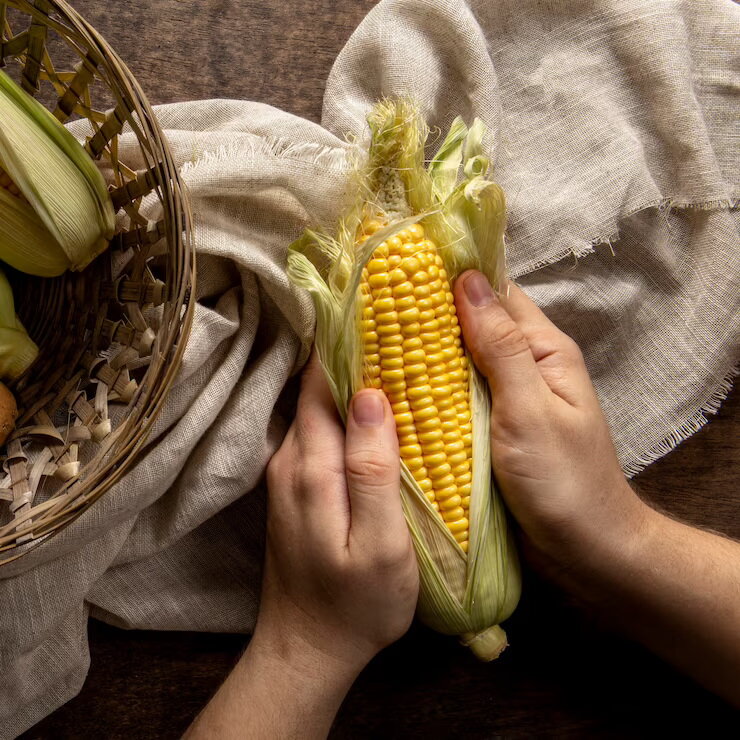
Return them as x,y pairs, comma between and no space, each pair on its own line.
410,334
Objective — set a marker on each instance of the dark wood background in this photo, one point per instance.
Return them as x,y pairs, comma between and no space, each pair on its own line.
564,675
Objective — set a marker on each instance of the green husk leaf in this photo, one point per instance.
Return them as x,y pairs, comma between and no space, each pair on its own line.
475,215
17,350
443,169
460,594
56,176
25,243
476,162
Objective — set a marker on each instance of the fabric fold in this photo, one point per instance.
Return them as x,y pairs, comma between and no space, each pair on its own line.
612,131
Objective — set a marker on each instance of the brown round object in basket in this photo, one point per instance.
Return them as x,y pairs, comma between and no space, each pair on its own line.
111,338
8,413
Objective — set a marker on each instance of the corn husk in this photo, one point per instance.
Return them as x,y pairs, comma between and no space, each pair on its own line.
65,217
17,350
464,213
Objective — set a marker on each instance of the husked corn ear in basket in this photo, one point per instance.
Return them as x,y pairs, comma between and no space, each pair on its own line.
386,319
55,210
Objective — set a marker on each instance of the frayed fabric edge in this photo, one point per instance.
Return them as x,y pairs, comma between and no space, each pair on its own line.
255,147
575,253
702,416
664,205
692,425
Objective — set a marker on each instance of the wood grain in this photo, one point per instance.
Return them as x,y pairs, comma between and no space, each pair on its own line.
563,676
273,52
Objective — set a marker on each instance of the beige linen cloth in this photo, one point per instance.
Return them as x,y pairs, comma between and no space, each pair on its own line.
614,128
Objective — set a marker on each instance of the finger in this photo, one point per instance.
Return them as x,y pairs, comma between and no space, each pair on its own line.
281,480
308,493
538,329
543,336
498,345
306,481
373,471
558,357
317,424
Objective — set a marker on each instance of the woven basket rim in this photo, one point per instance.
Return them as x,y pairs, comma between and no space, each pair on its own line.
160,176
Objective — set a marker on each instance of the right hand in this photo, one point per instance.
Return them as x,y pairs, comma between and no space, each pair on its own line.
552,452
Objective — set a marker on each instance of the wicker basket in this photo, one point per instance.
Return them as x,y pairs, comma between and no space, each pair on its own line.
111,337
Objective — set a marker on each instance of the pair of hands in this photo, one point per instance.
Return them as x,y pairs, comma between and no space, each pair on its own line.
341,577
341,580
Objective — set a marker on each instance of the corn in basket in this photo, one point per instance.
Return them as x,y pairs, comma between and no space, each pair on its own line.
110,332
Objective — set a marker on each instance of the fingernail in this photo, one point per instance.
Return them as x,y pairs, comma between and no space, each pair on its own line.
478,289
367,410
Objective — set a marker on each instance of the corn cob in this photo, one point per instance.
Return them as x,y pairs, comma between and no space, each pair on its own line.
412,350
55,210
411,231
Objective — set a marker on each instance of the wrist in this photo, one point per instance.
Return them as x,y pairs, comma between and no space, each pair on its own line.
279,688
615,552
285,646
595,552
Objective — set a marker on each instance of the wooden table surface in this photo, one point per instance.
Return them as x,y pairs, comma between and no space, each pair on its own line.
563,676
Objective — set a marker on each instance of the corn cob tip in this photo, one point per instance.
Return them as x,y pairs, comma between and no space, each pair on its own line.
486,645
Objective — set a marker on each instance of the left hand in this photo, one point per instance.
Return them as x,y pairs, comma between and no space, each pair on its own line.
340,572
340,579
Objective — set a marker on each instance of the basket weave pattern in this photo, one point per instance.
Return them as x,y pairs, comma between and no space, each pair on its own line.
111,337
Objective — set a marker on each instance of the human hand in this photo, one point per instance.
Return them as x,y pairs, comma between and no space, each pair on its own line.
340,575
340,580
552,452
671,586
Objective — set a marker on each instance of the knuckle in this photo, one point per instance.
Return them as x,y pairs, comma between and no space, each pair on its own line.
502,337
569,357
311,477
393,556
555,350
571,350
379,561
320,472
368,468
315,475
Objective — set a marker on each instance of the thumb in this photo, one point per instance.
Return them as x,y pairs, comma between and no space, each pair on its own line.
498,345
373,470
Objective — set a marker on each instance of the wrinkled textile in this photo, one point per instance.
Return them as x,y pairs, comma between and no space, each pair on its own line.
612,130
